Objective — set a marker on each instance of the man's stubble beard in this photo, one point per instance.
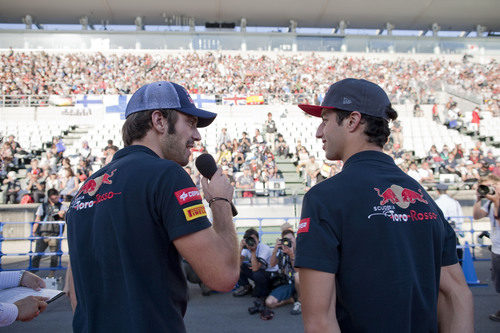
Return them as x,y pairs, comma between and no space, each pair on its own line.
173,149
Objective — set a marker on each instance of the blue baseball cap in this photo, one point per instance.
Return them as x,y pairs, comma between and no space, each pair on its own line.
167,95
353,95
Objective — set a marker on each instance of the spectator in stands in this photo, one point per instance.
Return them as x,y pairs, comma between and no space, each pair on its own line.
417,111
36,187
302,159
484,169
223,154
51,210
109,149
238,155
397,133
270,130
255,266
433,155
450,165
110,152
60,147
489,158
413,172
474,124
435,113
13,186
282,148
85,151
50,160
34,167
65,163
444,153
469,173
7,156
246,183
52,181
14,145
258,138
244,143
69,185
426,173
223,137
312,170
83,170
474,157
458,151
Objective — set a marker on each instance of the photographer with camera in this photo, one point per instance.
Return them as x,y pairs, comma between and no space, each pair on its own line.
51,210
489,189
255,266
286,281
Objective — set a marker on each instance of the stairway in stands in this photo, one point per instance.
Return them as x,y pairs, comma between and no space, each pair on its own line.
294,184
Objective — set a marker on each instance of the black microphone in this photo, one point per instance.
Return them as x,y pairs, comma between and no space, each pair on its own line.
206,165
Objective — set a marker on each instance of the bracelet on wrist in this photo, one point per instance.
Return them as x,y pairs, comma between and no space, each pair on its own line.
217,198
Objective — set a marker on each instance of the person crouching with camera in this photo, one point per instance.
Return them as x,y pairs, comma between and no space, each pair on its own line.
489,189
285,285
255,266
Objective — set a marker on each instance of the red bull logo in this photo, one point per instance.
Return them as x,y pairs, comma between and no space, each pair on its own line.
400,196
412,196
387,196
91,186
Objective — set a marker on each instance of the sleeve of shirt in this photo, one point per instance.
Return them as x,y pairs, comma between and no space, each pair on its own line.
39,211
10,279
449,256
8,314
182,209
317,241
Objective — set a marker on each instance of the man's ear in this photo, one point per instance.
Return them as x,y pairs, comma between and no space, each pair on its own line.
158,122
353,121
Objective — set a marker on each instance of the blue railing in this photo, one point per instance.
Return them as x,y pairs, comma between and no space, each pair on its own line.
32,238
460,228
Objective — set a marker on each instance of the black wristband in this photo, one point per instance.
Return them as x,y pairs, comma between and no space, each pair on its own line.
217,198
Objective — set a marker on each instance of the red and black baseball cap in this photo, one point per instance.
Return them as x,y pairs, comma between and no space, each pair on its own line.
353,95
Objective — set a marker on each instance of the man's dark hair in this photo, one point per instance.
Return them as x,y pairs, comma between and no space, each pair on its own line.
251,232
376,128
139,123
52,192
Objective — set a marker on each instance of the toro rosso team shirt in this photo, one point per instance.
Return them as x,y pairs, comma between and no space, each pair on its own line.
121,227
385,240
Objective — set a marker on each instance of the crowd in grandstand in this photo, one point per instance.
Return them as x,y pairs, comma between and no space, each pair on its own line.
40,73
249,161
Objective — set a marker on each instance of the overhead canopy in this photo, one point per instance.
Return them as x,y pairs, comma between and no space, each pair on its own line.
403,14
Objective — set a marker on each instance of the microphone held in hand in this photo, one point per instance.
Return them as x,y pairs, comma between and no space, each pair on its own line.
206,165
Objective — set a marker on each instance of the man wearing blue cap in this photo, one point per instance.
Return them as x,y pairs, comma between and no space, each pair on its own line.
374,250
131,222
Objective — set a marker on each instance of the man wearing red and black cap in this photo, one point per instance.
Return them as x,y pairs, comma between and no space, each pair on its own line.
131,222
374,250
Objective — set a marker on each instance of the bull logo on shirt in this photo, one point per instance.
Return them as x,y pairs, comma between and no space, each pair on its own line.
400,196
91,186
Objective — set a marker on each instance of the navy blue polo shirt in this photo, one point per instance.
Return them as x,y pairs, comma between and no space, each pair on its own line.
385,240
121,227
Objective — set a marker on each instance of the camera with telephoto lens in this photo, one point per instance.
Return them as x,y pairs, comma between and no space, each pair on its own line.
286,242
249,241
484,190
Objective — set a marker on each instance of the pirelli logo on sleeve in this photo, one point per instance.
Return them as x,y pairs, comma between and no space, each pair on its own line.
194,212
